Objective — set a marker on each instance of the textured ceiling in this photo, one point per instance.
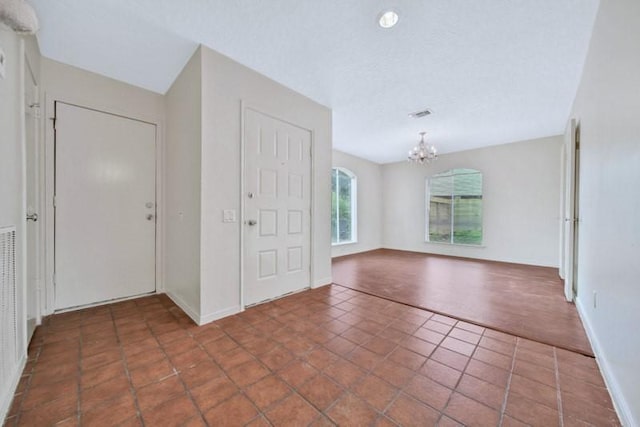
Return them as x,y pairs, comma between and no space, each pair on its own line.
492,71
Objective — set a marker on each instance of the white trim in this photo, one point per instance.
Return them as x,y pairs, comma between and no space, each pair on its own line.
620,404
219,314
189,311
9,391
322,282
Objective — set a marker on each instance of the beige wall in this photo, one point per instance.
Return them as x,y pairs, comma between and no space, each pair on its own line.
521,186
369,204
183,141
225,84
608,106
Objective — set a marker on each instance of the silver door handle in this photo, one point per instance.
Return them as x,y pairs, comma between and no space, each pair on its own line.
32,217
251,222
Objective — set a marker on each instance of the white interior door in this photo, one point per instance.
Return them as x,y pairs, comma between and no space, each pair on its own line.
277,207
105,206
570,221
32,181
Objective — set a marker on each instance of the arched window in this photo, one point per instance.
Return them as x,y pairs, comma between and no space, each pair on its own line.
454,207
343,206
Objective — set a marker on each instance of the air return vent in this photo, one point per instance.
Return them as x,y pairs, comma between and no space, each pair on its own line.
8,320
419,114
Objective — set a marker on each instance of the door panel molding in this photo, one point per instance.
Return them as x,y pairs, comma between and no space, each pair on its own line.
289,258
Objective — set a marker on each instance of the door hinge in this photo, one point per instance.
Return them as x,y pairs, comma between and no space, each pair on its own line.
55,121
54,201
54,280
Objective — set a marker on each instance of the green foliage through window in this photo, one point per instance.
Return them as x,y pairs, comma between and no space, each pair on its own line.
454,208
342,206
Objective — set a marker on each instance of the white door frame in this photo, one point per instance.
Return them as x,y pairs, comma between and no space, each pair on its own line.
570,221
49,165
244,105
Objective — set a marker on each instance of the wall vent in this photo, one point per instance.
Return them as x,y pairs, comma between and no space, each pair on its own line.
419,114
8,315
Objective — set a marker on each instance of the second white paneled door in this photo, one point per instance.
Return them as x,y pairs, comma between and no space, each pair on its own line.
277,207
105,213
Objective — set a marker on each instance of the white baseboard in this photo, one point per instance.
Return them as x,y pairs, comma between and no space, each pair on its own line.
620,404
219,314
321,282
9,389
189,311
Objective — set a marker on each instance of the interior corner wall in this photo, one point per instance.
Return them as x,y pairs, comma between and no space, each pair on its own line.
521,193
226,84
12,209
182,171
369,203
607,107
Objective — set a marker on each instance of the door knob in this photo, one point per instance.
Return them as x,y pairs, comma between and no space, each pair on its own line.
149,217
32,217
252,222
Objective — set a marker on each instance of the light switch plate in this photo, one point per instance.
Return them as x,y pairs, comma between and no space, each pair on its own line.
3,61
228,215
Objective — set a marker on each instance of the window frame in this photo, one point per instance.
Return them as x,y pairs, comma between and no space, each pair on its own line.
427,222
354,206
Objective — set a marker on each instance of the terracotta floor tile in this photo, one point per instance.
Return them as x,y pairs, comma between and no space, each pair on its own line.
534,390
292,411
450,358
470,412
151,373
428,391
267,391
41,394
464,335
482,391
393,373
493,358
213,392
380,346
248,373
409,412
437,326
353,411
200,374
235,411
530,412
345,373
429,335
110,413
407,358
104,392
297,373
121,344
320,358
535,372
49,413
376,392
418,346
458,346
156,393
277,358
173,412
488,373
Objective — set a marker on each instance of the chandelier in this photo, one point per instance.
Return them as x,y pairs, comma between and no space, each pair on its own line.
423,152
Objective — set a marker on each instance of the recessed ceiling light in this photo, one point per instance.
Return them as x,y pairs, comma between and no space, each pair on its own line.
388,19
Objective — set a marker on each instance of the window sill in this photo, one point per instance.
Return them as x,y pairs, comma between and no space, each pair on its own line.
467,245
352,242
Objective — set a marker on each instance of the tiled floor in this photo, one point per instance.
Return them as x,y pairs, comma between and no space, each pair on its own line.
322,357
522,300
